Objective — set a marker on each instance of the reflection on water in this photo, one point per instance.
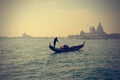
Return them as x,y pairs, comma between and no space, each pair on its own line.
31,59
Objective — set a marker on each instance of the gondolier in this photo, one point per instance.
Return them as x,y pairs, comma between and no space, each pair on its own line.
55,40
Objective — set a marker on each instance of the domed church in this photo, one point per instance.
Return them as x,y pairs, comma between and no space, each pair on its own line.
97,33
100,29
94,33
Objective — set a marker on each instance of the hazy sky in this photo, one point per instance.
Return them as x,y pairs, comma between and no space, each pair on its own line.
57,17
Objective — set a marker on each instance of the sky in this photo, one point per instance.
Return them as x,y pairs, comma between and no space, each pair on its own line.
50,18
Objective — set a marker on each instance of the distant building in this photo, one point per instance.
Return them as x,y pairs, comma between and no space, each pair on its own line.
98,33
92,30
100,29
26,36
94,33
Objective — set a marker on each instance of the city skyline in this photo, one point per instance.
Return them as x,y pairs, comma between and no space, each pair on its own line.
57,18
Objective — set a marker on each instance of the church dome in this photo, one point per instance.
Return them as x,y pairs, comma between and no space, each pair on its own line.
82,32
100,29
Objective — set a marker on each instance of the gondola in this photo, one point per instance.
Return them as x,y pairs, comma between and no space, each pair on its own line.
68,49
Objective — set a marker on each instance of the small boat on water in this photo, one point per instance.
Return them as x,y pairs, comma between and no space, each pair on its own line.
66,49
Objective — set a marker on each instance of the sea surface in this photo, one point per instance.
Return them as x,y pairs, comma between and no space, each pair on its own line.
31,59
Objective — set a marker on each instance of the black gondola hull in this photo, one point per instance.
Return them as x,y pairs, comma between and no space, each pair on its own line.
73,48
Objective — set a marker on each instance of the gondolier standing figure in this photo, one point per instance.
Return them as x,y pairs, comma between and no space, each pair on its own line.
55,40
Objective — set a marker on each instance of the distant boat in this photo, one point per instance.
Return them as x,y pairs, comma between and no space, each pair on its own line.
68,49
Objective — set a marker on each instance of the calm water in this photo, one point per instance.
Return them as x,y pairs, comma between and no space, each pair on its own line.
31,59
